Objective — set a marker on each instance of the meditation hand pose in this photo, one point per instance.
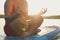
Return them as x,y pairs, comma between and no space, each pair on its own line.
18,23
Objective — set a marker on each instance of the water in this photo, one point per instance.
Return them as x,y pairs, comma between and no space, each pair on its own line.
50,22
46,22
2,23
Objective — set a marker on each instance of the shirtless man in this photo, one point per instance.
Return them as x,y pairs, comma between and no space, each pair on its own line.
19,9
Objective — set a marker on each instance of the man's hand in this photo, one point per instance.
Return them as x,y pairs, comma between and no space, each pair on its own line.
25,34
43,10
29,33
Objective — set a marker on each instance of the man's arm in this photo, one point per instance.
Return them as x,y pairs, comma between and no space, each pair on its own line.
42,11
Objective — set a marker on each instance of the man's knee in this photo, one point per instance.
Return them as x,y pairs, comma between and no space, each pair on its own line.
39,20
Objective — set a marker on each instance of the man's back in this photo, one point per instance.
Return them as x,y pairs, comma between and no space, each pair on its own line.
10,9
12,5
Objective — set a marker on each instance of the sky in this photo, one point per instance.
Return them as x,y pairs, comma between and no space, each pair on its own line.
34,6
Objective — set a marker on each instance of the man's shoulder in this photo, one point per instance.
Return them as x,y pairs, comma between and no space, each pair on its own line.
10,1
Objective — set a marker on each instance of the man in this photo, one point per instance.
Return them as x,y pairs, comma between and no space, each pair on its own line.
18,21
